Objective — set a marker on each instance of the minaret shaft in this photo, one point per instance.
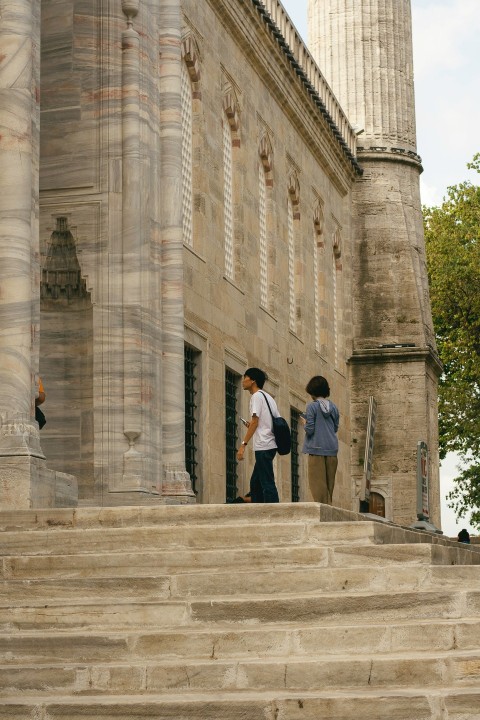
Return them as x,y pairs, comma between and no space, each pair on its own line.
364,49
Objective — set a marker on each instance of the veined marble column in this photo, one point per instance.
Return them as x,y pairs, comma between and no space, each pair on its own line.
19,148
134,465
176,484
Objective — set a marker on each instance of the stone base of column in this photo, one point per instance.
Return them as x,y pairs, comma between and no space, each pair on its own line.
177,488
25,480
26,483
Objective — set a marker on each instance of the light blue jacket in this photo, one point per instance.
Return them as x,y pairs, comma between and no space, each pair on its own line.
321,428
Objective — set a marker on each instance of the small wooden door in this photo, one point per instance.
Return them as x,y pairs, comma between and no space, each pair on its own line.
377,504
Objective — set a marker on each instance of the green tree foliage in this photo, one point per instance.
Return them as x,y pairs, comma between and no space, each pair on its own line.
452,236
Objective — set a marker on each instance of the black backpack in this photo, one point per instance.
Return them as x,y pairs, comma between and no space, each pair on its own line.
281,432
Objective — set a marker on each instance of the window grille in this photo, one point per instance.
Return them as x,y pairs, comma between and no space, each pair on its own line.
231,433
187,156
228,198
191,450
316,291
294,455
262,184
291,267
335,309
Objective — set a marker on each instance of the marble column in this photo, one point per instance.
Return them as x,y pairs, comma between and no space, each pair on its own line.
176,485
132,236
19,311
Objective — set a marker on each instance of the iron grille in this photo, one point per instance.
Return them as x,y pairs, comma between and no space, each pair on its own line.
191,449
294,455
231,433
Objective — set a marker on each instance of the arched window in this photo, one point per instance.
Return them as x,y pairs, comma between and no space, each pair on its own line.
338,299
230,141
187,156
228,200
293,281
189,90
264,206
319,276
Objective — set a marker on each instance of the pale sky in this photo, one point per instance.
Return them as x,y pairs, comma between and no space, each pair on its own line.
447,72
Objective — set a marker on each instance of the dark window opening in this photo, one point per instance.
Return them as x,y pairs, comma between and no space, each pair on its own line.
294,455
191,449
231,433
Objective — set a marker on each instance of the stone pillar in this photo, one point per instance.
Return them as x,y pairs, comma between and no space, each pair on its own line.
176,485
20,452
134,470
365,51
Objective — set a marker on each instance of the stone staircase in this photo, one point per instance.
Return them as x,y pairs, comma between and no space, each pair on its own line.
235,612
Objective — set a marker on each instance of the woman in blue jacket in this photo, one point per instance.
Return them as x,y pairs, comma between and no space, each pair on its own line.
321,442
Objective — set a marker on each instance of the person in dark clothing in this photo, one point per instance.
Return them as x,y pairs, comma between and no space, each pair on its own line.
464,536
262,482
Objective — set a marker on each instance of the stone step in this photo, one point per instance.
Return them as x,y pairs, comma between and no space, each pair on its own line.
210,584
162,515
163,561
177,561
419,671
114,540
340,608
227,642
368,554
448,703
137,539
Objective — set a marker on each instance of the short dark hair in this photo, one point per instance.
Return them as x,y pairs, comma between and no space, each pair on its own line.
257,375
318,387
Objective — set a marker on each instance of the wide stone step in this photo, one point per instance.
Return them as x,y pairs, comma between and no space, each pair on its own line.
241,583
340,608
448,703
163,561
256,533
168,561
410,671
115,540
239,642
162,515
179,560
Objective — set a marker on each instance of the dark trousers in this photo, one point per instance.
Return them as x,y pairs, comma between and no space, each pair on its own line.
262,482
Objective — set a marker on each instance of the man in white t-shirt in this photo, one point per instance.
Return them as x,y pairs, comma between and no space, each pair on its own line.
262,482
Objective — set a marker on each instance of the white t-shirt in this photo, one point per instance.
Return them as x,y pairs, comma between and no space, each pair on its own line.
263,438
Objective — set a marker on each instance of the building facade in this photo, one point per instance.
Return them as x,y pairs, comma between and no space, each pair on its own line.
192,201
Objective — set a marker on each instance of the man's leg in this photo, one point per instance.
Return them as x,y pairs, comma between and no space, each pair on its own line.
264,467
256,492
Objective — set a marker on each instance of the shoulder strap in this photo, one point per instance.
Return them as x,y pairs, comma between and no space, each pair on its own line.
268,404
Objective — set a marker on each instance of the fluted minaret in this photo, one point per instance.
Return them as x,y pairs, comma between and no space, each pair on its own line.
364,49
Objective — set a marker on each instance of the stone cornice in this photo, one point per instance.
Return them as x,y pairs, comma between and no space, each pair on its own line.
283,82
307,71
397,353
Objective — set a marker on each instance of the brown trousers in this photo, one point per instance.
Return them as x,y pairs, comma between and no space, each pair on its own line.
321,477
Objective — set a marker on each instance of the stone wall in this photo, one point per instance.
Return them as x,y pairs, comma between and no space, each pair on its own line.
239,64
